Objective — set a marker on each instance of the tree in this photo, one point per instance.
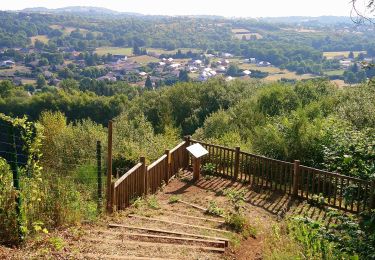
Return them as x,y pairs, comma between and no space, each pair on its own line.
5,88
362,11
349,77
41,81
351,55
148,83
183,76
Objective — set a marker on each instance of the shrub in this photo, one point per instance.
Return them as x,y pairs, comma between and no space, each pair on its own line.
214,209
240,224
174,199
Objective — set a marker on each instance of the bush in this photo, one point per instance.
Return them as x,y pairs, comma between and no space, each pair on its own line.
8,218
240,224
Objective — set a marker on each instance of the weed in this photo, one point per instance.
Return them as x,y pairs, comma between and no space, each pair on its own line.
57,243
318,200
138,202
208,169
237,197
214,209
152,202
240,224
174,199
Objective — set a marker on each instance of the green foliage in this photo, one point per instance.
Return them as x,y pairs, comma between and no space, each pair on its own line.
350,238
8,218
349,151
214,209
240,224
152,202
208,168
236,197
174,199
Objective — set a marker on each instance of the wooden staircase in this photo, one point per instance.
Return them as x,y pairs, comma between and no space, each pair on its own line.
174,231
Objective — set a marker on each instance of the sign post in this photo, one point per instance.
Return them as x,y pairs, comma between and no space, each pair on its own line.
197,151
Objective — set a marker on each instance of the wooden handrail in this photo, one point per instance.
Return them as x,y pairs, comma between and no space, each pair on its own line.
335,174
178,146
126,175
156,162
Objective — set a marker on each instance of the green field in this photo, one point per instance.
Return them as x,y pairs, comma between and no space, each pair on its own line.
332,54
143,59
42,38
114,51
334,72
10,72
162,51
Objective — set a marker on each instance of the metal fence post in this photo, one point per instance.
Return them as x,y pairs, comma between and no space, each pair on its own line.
109,166
99,169
16,179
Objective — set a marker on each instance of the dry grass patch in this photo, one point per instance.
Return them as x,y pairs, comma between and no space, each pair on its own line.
114,51
332,54
42,38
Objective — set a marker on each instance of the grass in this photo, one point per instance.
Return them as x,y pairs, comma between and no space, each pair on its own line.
288,75
42,38
334,72
240,30
10,72
67,30
162,51
114,51
143,59
332,54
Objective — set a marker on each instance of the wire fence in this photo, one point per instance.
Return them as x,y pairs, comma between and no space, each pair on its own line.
57,191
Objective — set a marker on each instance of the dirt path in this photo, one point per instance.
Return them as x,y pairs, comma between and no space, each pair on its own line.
133,239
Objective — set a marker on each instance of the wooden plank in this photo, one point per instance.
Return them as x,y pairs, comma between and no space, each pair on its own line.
178,223
142,243
121,257
189,239
193,217
192,205
167,232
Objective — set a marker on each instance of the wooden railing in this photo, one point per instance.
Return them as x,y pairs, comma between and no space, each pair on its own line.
142,179
333,189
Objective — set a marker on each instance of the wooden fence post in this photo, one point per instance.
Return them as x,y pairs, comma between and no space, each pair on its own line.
99,170
167,167
295,177
237,162
113,204
372,198
144,175
109,166
186,153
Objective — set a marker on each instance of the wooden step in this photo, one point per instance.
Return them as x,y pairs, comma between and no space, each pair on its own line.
217,242
157,244
178,223
194,217
169,232
120,257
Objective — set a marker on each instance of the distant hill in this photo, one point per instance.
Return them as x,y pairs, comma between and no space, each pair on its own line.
88,10
308,19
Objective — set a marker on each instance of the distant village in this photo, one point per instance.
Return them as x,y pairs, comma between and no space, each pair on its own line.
162,68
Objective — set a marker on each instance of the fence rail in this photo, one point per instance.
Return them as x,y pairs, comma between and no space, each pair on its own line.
142,179
333,189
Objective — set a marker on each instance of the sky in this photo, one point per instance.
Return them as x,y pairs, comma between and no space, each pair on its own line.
228,8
